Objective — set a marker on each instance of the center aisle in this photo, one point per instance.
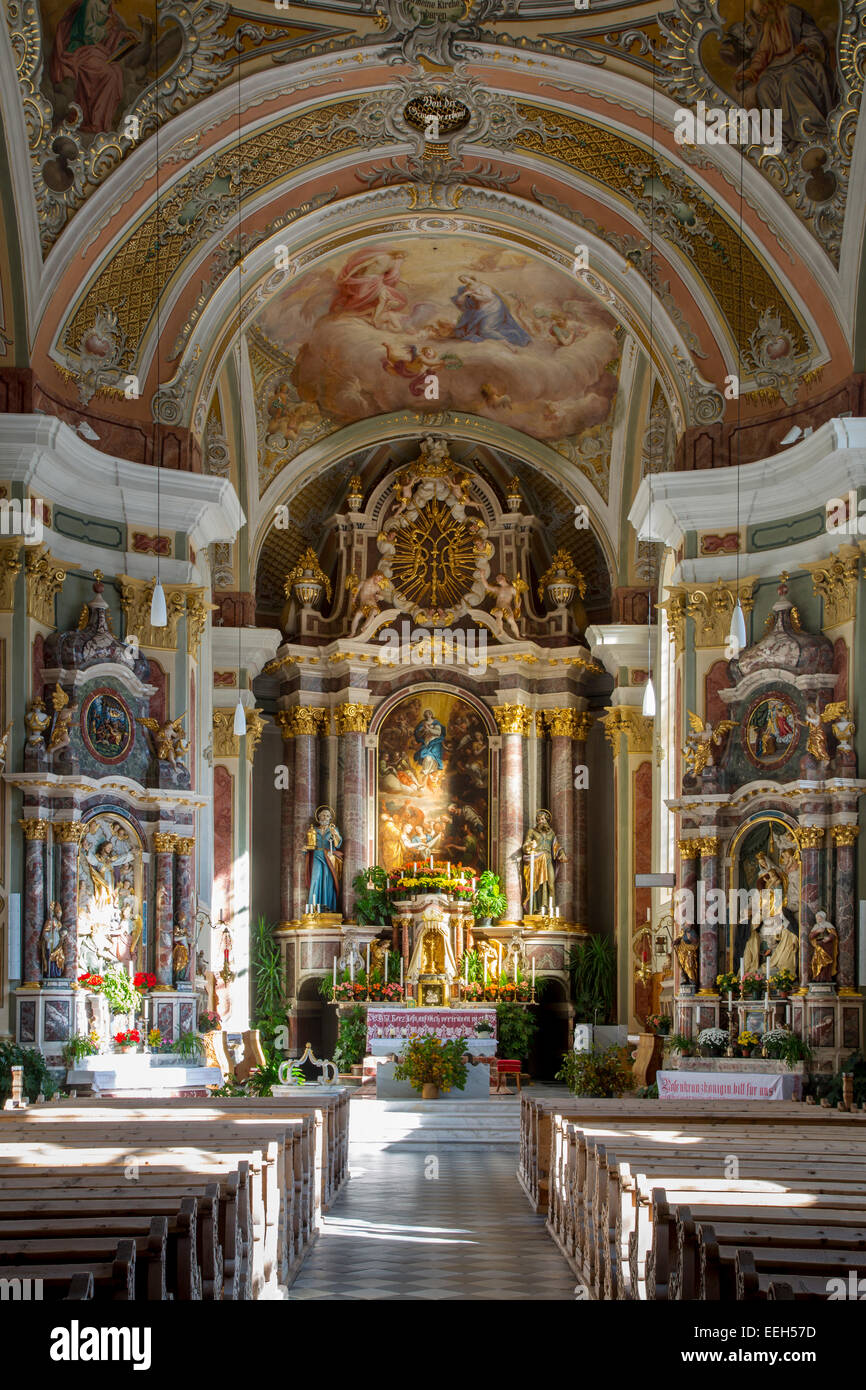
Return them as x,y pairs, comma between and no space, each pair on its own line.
429,1219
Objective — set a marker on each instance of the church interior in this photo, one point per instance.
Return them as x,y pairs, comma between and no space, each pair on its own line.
432,607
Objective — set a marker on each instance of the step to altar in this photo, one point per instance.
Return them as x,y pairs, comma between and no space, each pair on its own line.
376,1124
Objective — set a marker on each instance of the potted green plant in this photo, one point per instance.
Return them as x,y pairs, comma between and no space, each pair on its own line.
351,1040
781,983
432,1066
515,1028
712,1042
604,1074
592,964
678,1042
488,900
784,1046
80,1045
372,904
37,1078
660,1024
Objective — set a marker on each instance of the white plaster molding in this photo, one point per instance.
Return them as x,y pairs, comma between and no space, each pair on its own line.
168,799
49,458
828,464
810,683
258,645
114,670
622,644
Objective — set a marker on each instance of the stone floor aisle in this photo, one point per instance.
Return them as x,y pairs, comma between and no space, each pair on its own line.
468,1233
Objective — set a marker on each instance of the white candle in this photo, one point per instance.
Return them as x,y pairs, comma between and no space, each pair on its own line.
401,972
449,868
767,964
335,972
368,959
431,861
485,972
387,954
499,966
352,968
742,967
466,971
415,867
533,972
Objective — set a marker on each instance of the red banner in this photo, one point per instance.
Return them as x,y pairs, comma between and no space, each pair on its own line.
445,1023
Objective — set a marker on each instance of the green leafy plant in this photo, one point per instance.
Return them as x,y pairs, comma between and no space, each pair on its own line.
270,997
123,997
785,1046
471,968
648,1092
372,904
80,1045
678,1042
430,1061
829,1088
516,1028
188,1046
489,899
351,1039
37,1077
598,1073
592,964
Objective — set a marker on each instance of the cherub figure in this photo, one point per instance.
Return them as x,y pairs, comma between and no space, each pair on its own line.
167,738
404,486
506,607
63,712
367,597
698,752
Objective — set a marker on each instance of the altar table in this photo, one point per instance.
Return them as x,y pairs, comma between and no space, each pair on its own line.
388,1026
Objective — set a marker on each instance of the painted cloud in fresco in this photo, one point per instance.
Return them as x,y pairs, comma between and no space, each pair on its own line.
505,336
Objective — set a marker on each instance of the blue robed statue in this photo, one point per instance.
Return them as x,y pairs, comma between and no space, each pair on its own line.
326,862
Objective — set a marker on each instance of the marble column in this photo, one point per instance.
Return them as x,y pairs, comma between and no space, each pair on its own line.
582,725
709,948
811,842
352,722
68,835
163,847
560,724
845,838
687,883
35,834
515,722
306,723
183,882
287,820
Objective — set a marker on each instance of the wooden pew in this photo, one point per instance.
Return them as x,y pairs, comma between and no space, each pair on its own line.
720,1271
113,1279
754,1284
56,1248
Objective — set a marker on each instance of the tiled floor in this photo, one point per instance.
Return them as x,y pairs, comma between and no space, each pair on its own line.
398,1230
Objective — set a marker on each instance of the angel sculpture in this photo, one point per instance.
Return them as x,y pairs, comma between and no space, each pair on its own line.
166,738
506,609
816,743
63,712
366,597
404,487
698,752
4,745
838,715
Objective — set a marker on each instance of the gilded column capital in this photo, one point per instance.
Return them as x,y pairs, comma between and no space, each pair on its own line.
69,832
310,719
513,719
559,722
844,834
810,836
689,849
198,612
352,719
835,581
34,828
164,842
583,722
184,844
10,568
708,846
226,743
710,607
44,580
626,721
135,597
283,720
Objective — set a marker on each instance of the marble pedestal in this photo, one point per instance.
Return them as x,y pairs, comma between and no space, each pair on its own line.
173,1012
141,1073
47,1018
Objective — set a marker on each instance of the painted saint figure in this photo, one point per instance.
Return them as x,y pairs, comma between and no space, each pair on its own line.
484,315
326,865
541,853
367,287
430,736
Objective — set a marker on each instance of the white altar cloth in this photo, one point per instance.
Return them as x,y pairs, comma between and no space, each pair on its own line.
389,1024
731,1085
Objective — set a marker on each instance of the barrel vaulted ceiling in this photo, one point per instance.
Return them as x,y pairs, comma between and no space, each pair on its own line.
294,142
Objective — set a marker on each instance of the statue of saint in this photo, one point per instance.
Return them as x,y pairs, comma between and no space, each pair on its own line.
686,946
52,944
326,865
773,939
541,853
180,949
824,940
433,958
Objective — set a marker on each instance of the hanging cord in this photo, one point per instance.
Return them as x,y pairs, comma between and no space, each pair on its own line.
740,317
156,451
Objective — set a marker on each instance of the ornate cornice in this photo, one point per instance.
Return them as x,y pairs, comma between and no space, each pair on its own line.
164,842
844,834
627,721
710,608
184,844
34,828
44,580
810,836
10,568
835,581
197,614
352,719
513,719
69,832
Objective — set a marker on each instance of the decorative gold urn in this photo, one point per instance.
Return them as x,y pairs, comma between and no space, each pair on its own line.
514,497
562,580
354,497
307,581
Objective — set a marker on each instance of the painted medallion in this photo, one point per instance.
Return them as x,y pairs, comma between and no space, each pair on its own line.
106,726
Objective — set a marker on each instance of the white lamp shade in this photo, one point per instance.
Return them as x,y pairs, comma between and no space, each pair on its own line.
649,699
240,724
158,615
737,635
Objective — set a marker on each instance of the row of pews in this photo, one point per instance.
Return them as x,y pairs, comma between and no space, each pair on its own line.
192,1199
715,1202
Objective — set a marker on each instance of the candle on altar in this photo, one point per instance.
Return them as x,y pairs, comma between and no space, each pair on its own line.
431,861
742,967
449,868
368,960
533,972
415,867
485,972
401,972
387,954
466,971
499,965
767,966
335,972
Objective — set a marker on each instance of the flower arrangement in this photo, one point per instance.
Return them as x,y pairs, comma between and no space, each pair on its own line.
712,1042
154,1039
782,982
391,993
144,979
89,981
728,983
753,985
658,1023
441,878
209,1021
784,1046
473,991
748,1041
128,1037
123,998
81,1045
428,1061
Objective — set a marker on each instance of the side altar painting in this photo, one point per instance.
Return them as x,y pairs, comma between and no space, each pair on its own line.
433,783
110,922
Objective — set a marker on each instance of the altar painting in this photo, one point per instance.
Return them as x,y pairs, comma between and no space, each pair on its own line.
110,918
767,860
433,790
